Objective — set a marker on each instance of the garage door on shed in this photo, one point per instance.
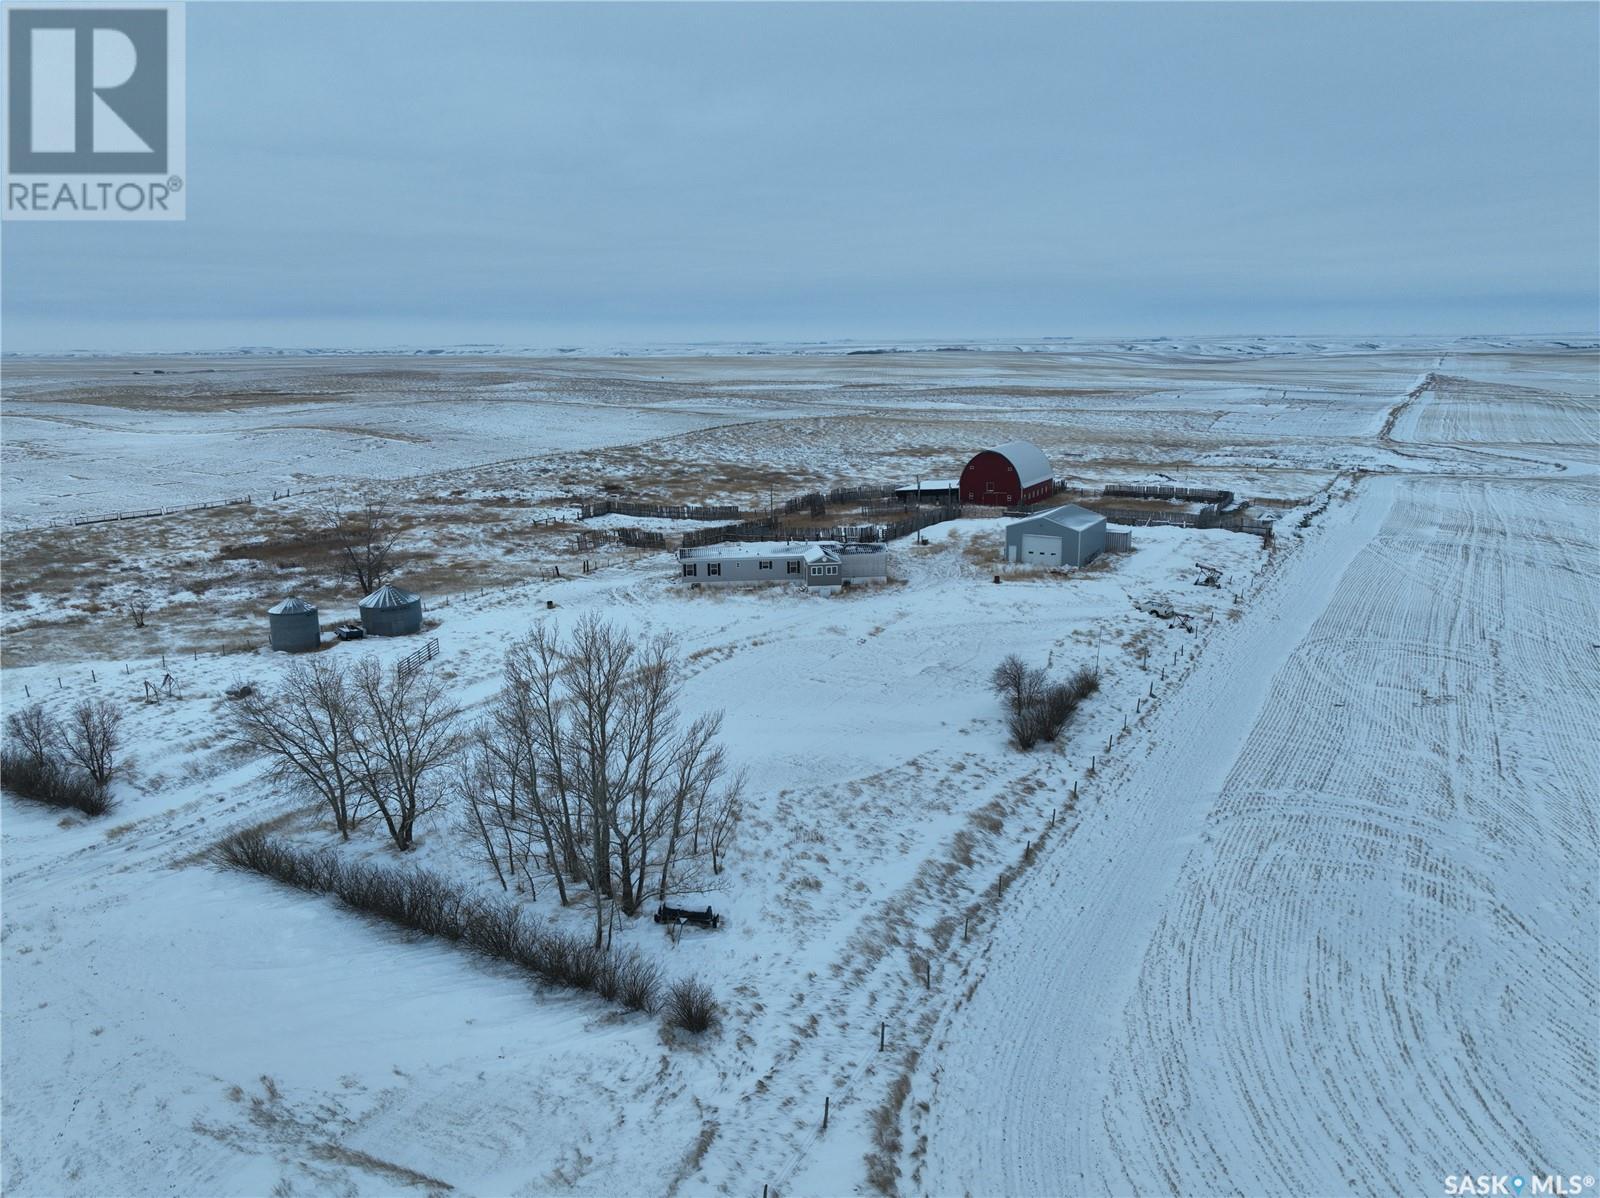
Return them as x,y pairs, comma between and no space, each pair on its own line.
1041,551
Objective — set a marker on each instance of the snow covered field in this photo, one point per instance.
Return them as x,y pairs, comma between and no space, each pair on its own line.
1322,920
1355,952
83,436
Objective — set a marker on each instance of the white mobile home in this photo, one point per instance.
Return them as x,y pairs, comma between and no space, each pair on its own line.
812,564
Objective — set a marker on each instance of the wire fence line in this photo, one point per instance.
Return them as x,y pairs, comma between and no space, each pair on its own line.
79,520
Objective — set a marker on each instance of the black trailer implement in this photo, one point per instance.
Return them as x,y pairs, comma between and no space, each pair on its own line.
677,915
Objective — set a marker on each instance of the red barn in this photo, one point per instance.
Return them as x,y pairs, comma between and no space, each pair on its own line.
1010,474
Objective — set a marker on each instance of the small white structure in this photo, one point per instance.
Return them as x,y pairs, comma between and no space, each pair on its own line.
1063,536
812,564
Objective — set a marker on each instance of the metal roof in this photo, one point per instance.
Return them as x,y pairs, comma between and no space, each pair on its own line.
1027,459
291,607
1068,516
773,549
389,595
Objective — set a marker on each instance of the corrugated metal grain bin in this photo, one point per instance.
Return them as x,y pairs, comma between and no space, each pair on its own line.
389,611
292,626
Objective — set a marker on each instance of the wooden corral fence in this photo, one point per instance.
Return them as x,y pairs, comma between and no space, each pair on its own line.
814,502
642,538
850,534
591,508
860,494
412,662
587,540
1208,518
1157,491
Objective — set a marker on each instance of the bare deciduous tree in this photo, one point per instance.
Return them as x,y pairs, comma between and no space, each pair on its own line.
306,728
528,718
406,733
1016,682
364,540
611,782
92,738
493,777
34,733
721,816
139,607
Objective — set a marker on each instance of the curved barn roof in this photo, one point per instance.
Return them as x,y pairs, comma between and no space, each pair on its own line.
1027,459
291,607
389,595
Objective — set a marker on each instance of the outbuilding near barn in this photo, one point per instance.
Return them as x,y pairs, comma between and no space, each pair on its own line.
1007,475
293,627
1063,536
390,611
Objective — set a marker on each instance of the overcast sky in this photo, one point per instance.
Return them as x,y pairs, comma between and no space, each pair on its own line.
423,174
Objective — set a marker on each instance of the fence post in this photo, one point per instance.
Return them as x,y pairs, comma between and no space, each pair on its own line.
881,1027
825,1103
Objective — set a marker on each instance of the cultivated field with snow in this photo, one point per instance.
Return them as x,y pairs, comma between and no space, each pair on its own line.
1303,901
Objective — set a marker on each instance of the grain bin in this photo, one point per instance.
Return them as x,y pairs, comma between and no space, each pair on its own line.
292,626
389,611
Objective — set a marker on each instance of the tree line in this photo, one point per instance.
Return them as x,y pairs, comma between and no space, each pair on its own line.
64,761
583,772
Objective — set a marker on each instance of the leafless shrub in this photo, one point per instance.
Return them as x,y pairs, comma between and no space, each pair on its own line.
1037,709
639,983
139,607
427,902
690,1006
48,780
92,738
